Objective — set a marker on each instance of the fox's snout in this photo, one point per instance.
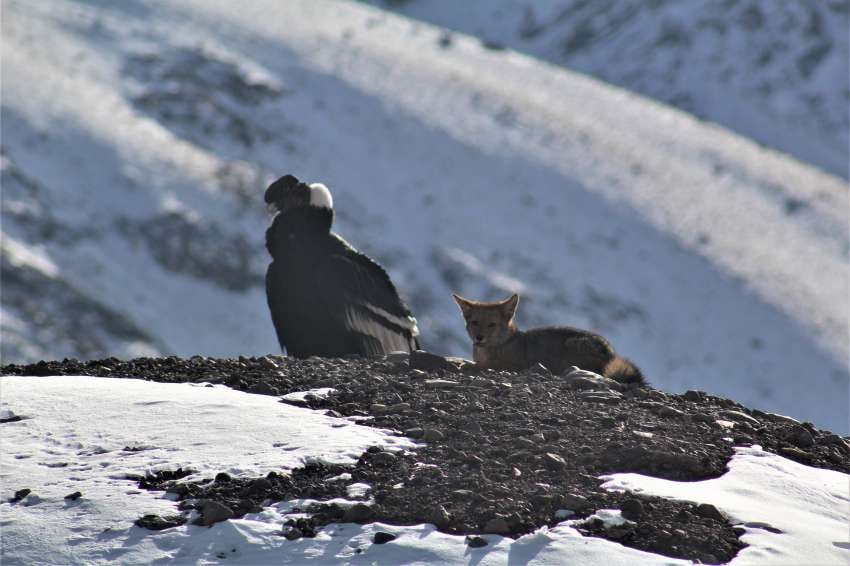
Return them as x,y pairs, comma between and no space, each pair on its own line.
487,333
488,324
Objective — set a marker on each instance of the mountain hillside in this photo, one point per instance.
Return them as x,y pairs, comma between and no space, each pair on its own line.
776,72
138,138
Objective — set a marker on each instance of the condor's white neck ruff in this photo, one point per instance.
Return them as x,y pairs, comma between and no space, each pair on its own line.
321,197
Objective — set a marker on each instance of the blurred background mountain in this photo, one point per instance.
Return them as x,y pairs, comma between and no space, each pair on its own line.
775,72
471,147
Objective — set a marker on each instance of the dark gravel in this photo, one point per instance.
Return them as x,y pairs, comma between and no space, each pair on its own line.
504,451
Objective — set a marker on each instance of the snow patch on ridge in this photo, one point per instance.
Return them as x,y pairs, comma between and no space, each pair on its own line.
793,514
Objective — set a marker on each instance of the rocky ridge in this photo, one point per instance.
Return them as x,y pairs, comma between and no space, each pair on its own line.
501,452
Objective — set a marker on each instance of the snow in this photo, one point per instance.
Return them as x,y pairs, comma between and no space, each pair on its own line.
712,262
19,253
301,396
341,477
608,517
764,492
72,438
356,490
85,422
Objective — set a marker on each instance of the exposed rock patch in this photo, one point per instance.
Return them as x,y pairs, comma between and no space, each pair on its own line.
202,95
198,248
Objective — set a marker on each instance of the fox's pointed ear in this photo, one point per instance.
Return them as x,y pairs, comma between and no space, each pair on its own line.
465,306
509,306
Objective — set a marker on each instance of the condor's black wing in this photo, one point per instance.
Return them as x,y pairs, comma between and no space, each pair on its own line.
360,297
341,302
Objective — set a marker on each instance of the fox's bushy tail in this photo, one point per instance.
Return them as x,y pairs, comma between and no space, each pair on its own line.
624,371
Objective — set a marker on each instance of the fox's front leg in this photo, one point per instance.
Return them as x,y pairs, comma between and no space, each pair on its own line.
481,357
488,359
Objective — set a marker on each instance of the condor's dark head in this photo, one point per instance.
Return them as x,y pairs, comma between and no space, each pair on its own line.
305,213
300,202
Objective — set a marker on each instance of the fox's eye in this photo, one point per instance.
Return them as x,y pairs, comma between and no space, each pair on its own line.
473,323
491,324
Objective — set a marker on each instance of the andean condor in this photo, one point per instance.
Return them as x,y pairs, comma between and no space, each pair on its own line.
326,298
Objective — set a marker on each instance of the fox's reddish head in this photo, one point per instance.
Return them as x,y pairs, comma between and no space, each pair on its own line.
489,324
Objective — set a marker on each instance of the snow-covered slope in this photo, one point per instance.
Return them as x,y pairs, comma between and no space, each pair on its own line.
776,72
138,138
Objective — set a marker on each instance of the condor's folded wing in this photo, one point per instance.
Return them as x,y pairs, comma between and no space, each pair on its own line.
362,298
344,303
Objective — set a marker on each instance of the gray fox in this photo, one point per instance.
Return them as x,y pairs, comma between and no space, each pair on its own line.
498,344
